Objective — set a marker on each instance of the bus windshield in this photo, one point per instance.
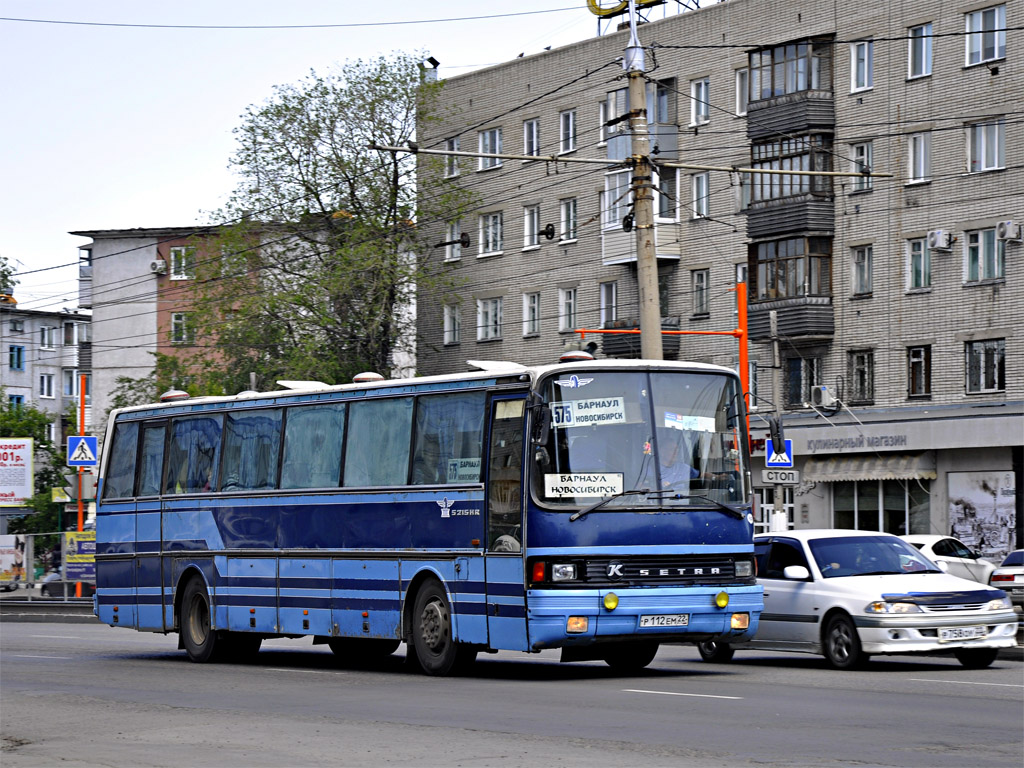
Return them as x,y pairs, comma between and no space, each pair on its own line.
678,435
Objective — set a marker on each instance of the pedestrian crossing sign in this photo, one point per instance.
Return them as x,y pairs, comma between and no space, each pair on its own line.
82,450
774,457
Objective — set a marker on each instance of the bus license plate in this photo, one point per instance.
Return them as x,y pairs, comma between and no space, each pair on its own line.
961,633
665,620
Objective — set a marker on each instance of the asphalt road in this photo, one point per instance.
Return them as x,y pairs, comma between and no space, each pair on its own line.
84,694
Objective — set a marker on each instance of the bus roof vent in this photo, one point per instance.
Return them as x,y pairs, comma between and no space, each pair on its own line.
576,356
494,365
174,394
366,377
302,384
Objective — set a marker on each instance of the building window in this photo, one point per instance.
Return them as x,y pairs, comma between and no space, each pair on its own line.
69,383
566,309
531,137
491,237
919,55
800,153
531,314
613,108
16,401
453,250
488,319
986,35
668,200
663,102
787,69
919,371
181,328
798,266
862,266
986,366
72,333
862,162
16,357
700,103
919,268
861,370
531,226
47,337
890,506
50,432
46,385
617,198
567,213
490,143
452,323
985,146
701,181
742,90
609,303
567,131
919,167
183,263
862,76
986,256
801,374
451,162
699,279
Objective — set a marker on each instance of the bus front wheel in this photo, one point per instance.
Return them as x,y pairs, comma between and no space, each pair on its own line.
436,649
201,642
631,657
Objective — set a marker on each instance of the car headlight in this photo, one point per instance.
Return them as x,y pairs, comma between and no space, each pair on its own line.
881,606
563,572
1000,604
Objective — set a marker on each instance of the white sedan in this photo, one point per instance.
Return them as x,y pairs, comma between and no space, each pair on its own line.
851,594
959,558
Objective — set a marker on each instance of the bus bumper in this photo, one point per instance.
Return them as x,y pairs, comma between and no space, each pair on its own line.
643,613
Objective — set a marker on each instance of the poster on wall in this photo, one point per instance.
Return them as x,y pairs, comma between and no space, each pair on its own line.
982,512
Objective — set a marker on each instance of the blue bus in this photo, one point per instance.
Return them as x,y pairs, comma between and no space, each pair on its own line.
598,507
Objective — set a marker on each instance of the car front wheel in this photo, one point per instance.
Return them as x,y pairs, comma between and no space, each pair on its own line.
842,644
976,658
715,651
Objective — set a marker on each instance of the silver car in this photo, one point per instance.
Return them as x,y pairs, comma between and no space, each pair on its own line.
1009,576
851,594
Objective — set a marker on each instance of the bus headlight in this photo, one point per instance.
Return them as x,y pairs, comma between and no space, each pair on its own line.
744,569
563,572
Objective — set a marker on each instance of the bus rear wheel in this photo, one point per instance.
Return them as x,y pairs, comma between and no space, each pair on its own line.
202,643
631,657
435,647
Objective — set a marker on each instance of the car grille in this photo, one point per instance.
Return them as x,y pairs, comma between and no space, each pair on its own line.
951,608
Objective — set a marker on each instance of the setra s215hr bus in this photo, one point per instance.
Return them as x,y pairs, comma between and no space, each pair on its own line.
600,507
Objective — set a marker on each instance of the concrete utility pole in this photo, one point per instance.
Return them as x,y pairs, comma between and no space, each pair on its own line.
779,519
643,197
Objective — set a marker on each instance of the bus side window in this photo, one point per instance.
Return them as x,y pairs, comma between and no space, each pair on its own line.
377,444
312,446
505,478
252,442
151,462
193,454
121,472
449,439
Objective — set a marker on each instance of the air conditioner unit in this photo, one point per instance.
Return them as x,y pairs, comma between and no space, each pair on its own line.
158,267
821,397
1008,230
940,240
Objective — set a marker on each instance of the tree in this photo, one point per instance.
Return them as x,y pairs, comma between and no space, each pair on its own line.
23,420
317,278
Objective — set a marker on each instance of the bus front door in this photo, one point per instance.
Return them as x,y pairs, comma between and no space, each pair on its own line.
506,593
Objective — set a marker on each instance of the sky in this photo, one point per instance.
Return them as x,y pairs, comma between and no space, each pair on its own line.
117,121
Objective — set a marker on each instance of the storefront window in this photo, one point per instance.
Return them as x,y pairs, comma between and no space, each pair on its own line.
904,504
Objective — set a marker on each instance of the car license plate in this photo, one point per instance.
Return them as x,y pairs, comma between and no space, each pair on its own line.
1017,591
961,633
665,620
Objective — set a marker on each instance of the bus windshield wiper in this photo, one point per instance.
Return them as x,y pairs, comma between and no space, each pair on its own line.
731,511
597,504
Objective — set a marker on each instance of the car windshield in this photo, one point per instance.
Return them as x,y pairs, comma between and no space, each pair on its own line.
867,555
1015,558
677,435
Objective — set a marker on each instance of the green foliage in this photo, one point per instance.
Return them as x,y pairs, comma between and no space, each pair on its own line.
7,281
168,373
27,421
317,278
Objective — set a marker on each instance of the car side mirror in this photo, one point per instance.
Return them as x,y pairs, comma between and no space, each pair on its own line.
796,572
943,565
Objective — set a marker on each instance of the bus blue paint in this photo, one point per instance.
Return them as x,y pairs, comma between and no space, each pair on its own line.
466,488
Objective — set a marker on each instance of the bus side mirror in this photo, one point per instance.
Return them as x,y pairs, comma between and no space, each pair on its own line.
541,419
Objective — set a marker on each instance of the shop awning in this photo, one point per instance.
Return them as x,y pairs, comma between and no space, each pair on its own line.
887,466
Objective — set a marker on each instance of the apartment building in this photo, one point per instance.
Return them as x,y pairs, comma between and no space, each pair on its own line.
901,296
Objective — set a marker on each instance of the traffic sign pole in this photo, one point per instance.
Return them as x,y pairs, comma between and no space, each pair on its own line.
81,431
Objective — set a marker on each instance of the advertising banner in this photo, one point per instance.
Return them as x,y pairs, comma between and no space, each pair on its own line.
80,556
12,559
15,471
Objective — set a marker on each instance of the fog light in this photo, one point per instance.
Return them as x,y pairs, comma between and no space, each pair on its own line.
611,601
722,599
739,621
576,624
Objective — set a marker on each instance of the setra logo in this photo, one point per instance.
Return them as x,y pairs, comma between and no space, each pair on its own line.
615,570
446,506
573,382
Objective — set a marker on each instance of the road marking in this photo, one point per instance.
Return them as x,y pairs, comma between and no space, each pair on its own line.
965,682
24,656
673,693
307,671
59,637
